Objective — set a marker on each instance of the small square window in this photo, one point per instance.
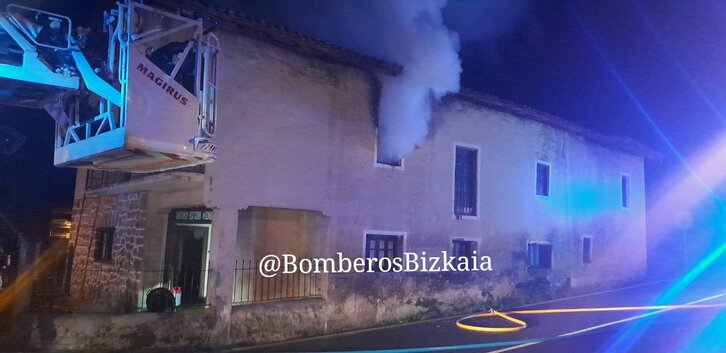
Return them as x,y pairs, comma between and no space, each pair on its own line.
625,190
379,246
543,179
539,255
103,250
586,250
462,248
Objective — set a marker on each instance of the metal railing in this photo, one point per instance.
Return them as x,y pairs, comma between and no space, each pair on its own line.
123,288
250,286
127,290
97,179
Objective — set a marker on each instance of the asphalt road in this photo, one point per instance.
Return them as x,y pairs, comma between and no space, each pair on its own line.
680,330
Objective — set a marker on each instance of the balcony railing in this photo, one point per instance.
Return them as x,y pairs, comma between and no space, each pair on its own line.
98,179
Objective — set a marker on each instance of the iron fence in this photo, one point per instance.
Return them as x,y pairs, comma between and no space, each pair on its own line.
250,286
123,288
128,290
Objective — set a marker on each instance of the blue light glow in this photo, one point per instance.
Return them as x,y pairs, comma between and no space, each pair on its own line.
629,335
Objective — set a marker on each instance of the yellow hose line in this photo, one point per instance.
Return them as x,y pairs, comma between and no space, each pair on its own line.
520,324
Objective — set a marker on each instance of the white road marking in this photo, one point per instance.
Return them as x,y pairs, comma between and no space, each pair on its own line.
611,323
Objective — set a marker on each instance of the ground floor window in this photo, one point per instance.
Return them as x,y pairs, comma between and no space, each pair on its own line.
539,255
462,248
380,246
103,250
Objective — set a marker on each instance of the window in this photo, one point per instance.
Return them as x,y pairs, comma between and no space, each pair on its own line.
398,164
104,243
625,190
543,179
395,164
586,250
465,183
192,216
539,255
379,246
461,247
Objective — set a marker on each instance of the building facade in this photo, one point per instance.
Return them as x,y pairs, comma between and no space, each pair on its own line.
554,206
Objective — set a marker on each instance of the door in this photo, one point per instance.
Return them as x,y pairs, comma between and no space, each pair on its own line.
187,253
191,263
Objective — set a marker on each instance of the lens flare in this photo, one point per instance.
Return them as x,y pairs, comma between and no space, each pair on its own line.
684,193
25,280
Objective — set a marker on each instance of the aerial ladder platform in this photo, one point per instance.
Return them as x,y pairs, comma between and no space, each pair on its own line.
149,105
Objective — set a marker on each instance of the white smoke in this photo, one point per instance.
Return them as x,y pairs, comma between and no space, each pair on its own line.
416,37
407,32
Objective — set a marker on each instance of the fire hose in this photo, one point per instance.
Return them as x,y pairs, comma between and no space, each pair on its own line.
521,324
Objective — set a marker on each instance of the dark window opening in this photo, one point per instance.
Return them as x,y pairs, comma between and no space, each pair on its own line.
625,190
385,161
465,182
187,250
379,246
462,248
543,179
103,250
539,255
397,163
587,250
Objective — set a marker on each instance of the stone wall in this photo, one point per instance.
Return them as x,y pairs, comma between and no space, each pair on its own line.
109,284
359,301
116,332
356,301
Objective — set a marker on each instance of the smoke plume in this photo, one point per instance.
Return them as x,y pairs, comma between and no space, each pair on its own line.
410,33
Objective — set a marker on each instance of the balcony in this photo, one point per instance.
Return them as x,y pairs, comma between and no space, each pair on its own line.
105,182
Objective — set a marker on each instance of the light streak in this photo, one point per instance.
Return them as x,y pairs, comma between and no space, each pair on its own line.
611,323
642,110
706,173
677,63
24,282
505,346
522,324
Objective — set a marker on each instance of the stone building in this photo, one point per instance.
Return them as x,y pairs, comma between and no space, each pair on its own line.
555,206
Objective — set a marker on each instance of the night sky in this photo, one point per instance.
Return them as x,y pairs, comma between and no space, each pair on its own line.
669,53
559,57
563,58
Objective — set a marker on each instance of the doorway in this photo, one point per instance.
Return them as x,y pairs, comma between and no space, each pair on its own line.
192,268
187,254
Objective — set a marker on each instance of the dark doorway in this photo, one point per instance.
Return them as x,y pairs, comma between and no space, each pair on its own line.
187,255
192,264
